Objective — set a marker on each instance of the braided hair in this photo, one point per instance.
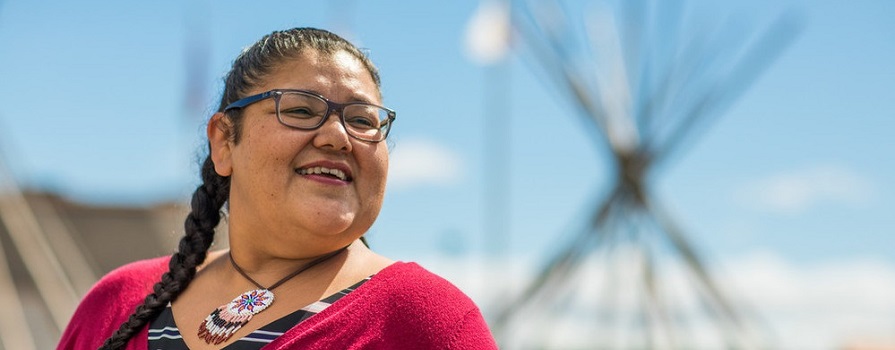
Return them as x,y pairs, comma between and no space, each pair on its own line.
248,70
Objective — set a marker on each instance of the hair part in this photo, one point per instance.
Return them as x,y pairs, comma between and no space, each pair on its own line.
249,69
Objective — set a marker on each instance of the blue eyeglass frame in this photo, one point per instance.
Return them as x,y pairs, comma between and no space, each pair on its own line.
330,107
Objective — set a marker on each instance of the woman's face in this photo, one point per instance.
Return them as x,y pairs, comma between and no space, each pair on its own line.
280,196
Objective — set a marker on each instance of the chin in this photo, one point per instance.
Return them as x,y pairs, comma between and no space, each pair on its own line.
328,227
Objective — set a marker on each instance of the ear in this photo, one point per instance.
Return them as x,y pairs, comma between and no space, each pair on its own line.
219,131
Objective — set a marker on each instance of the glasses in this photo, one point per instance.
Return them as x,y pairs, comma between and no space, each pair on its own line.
306,110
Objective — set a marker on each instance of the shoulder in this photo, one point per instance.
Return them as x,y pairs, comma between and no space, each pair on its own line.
127,284
111,300
430,309
415,285
135,276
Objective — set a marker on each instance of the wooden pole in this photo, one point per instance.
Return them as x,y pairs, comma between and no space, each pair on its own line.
30,241
14,332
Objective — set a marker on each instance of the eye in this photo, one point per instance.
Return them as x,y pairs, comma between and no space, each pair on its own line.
298,112
363,122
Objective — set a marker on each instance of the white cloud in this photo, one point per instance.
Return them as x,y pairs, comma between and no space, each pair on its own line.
799,190
823,306
817,306
421,162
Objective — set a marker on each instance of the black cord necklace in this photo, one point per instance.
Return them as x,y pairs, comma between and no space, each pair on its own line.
229,318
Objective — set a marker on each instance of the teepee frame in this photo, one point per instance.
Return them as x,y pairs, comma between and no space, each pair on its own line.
641,106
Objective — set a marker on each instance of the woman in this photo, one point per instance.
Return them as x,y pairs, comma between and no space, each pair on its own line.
296,155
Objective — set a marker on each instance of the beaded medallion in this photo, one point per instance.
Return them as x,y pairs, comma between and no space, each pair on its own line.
229,318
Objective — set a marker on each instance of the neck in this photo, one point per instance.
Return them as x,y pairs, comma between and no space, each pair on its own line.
267,270
303,268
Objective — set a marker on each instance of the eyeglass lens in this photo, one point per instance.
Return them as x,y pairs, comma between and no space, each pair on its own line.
306,111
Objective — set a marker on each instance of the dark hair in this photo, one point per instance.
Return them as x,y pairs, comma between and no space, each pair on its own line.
249,69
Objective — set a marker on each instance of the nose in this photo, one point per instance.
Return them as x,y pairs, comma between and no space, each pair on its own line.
332,134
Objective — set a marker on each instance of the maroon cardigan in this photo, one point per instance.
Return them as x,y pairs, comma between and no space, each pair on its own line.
401,307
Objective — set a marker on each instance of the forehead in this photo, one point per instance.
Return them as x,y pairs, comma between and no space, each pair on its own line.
339,76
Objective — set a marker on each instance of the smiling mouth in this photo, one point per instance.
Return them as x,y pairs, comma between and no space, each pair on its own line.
323,171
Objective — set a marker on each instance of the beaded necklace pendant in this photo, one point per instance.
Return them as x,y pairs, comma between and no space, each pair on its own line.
229,318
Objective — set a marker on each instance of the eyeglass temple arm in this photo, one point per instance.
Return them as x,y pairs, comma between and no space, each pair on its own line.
248,100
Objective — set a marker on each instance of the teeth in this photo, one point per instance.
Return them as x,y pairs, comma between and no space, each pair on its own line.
317,170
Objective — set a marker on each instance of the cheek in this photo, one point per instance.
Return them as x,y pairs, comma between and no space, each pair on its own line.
381,161
267,164
272,146
376,172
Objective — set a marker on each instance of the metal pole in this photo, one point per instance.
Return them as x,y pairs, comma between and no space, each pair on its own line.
497,159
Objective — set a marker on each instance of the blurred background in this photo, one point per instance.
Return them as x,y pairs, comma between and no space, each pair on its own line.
784,190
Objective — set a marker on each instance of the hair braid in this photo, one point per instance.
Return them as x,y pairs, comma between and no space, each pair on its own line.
205,215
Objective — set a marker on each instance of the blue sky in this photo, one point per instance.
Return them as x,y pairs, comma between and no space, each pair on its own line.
799,167
93,97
